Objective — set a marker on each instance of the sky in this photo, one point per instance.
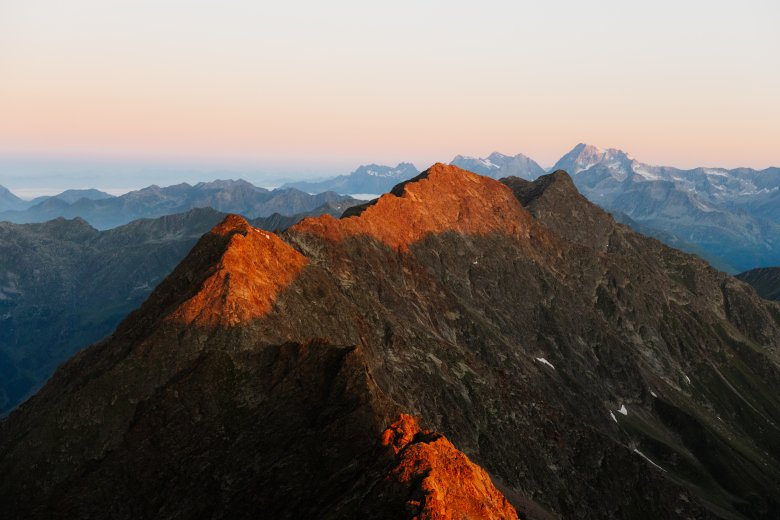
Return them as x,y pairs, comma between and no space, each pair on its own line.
115,93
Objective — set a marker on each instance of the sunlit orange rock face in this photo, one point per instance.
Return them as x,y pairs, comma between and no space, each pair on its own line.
254,268
443,199
444,484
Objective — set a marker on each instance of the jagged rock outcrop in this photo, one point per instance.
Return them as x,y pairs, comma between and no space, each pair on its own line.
439,481
589,371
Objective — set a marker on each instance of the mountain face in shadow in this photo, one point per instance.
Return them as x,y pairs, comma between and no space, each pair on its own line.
765,280
239,197
461,347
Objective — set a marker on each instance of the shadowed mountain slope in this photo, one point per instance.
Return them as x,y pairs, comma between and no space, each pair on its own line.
765,280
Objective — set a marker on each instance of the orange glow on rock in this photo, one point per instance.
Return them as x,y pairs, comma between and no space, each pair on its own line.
254,268
452,486
447,198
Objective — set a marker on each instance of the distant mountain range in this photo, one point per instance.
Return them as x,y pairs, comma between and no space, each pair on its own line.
10,202
64,284
104,211
497,165
372,179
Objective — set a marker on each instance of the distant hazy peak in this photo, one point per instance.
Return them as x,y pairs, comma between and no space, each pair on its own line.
71,196
584,156
225,183
368,178
5,191
380,170
498,165
8,200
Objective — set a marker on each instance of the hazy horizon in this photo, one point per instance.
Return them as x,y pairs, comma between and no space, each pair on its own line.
29,177
315,89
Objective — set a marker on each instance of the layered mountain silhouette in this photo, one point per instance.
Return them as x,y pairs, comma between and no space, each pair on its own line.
461,347
64,285
766,281
371,178
228,196
10,202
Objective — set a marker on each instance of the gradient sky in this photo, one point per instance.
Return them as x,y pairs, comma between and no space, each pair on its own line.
320,87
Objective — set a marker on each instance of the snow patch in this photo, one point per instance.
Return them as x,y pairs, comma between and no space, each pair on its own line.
648,459
716,173
545,362
623,409
362,196
613,416
488,163
653,394
646,174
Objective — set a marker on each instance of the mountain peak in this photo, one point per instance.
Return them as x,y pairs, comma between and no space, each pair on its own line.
584,156
557,204
232,224
254,267
442,198
498,165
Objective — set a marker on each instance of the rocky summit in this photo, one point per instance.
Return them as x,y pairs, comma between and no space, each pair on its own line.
459,348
